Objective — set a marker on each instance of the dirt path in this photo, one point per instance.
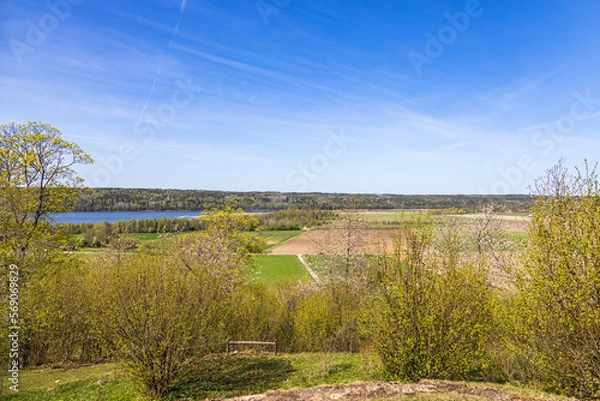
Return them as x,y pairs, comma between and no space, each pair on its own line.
366,391
309,270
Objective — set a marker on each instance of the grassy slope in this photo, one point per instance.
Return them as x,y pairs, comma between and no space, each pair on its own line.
74,384
219,377
222,376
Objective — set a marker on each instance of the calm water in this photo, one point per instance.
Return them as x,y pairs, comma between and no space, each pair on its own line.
111,217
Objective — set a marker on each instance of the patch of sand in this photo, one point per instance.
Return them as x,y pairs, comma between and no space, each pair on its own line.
366,391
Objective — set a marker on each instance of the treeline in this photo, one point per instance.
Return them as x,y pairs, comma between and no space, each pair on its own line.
100,234
124,199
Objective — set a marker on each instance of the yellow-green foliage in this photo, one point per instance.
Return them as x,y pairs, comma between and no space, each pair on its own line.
58,316
156,312
327,317
36,179
559,323
159,310
255,313
315,321
432,319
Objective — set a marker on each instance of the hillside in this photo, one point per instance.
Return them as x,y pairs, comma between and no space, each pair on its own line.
127,199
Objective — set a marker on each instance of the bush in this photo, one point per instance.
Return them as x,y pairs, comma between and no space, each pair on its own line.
156,314
159,311
558,325
327,318
433,317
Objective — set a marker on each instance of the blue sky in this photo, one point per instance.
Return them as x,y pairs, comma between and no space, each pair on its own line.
365,96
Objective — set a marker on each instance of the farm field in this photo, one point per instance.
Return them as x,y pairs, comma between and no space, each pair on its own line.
379,225
272,238
326,240
280,269
513,222
394,218
277,237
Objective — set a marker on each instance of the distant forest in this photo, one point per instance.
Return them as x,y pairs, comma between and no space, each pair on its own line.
124,199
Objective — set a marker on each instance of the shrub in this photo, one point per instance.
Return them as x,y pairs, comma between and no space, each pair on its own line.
433,319
559,290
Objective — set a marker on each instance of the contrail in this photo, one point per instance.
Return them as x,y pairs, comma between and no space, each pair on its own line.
181,11
151,93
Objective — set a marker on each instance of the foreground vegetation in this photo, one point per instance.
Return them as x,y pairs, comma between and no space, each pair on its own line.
238,375
429,308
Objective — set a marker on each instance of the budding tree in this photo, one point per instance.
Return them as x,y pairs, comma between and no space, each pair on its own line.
36,179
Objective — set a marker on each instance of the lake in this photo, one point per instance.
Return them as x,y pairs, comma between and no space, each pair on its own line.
111,217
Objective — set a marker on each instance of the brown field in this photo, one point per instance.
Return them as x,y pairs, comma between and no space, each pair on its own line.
332,241
368,240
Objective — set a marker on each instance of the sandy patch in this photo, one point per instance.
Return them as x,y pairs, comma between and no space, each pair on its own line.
366,391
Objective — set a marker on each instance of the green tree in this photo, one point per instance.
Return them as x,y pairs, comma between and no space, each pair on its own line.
36,179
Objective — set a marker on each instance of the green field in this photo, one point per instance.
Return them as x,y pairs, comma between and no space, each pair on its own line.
394,218
381,216
272,238
279,269
276,238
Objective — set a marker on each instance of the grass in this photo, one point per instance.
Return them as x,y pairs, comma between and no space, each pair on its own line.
519,238
74,384
143,236
394,218
329,266
276,238
381,216
279,269
321,265
217,376
272,238
244,375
